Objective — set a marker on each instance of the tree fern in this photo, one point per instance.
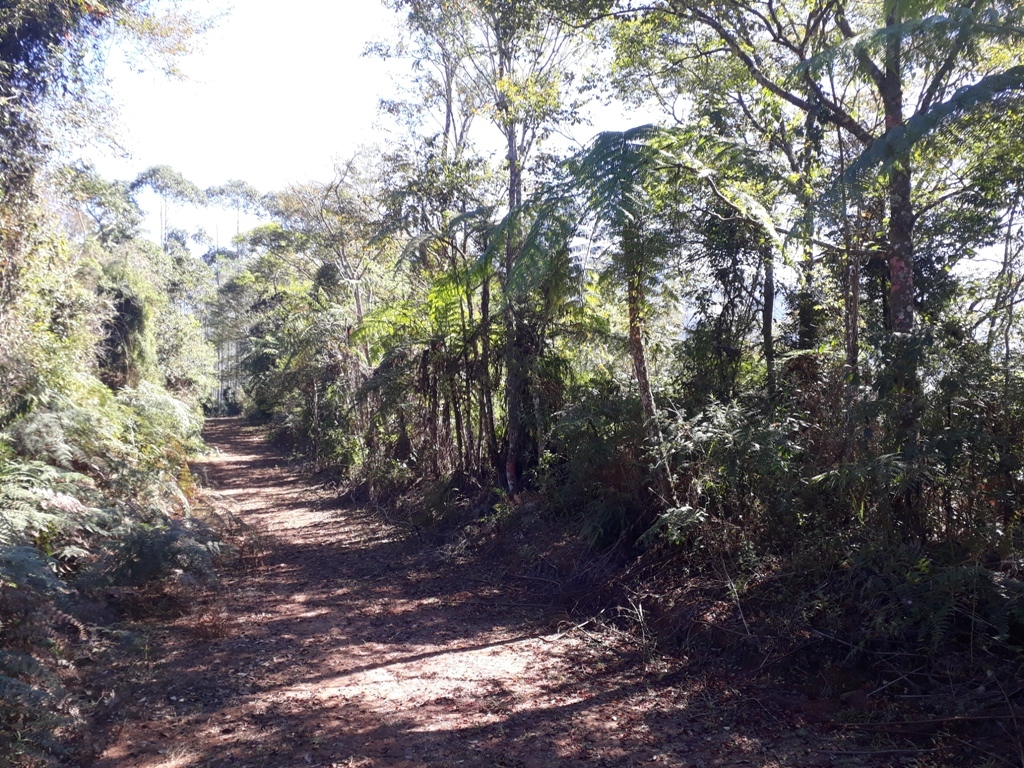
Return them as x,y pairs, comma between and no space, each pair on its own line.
931,32
898,142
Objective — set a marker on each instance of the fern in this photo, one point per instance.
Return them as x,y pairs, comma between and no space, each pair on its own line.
149,553
31,704
43,436
31,696
915,597
898,142
35,502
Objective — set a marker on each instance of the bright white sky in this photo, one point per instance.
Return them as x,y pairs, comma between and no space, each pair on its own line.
277,93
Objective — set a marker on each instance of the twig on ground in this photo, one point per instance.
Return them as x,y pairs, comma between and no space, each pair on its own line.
875,752
1016,724
935,720
537,578
560,635
986,752
488,582
893,682
735,594
500,605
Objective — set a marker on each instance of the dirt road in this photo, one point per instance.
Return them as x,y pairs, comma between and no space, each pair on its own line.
349,644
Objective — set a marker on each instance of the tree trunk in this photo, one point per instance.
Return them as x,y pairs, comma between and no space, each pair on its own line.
515,397
901,251
365,348
516,359
901,211
486,398
767,321
638,351
907,512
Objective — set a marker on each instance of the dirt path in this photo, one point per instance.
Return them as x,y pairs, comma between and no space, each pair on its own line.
347,645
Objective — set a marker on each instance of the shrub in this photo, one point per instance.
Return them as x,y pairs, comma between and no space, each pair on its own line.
596,465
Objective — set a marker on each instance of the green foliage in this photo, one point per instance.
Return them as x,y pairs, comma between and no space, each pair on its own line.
42,504
733,468
836,366
169,184
153,553
933,598
32,710
111,212
32,700
102,365
898,142
87,488
597,465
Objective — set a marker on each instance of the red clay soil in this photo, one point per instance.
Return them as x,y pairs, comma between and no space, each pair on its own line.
351,643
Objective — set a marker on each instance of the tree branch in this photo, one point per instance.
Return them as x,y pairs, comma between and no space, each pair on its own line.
834,114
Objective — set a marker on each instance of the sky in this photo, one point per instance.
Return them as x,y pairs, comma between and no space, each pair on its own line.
277,94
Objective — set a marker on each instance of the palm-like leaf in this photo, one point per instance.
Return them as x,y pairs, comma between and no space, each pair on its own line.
899,141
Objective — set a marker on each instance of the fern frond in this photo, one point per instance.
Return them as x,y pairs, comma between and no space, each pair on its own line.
958,22
899,141
33,501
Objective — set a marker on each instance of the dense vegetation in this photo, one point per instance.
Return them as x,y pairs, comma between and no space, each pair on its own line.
779,328
103,369
775,336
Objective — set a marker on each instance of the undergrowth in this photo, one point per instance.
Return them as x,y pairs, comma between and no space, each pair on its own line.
95,498
769,534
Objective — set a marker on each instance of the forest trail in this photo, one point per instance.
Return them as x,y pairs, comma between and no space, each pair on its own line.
350,644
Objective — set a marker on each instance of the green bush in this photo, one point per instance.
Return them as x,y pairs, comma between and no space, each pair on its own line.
597,465
151,553
33,704
930,599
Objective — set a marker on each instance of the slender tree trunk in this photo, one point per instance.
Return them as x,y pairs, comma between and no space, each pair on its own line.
434,419
462,453
901,208
908,515
516,357
487,402
851,290
638,352
515,398
901,252
460,380
851,317
357,293
471,362
635,301
767,321
1012,496
316,421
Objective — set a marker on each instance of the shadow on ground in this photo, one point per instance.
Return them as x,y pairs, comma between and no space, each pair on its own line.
351,645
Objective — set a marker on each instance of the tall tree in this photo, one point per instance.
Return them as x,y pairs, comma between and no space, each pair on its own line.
171,187
337,222
522,57
513,61
51,57
879,76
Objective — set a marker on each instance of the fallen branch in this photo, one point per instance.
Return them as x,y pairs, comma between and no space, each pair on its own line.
560,635
872,752
937,720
